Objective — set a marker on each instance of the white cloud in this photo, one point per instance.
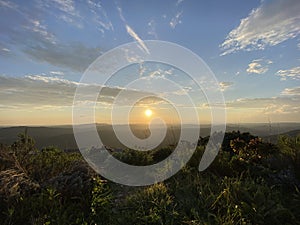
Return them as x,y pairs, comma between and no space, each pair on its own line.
258,103
152,28
63,9
259,66
225,85
270,24
276,106
176,20
293,73
179,2
66,6
283,108
35,40
40,90
66,18
8,4
36,90
41,30
158,73
131,32
177,17
45,79
59,73
291,91
100,15
5,50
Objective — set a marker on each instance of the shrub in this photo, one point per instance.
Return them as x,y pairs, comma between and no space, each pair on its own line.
290,147
151,205
238,188
101,202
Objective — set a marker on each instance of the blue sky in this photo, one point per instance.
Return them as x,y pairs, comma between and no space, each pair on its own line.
251,46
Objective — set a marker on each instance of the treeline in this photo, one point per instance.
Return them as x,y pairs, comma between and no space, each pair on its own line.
249,182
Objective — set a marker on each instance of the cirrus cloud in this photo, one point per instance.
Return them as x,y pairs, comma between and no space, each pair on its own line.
284,108
293,73
270,24
291,91
176,20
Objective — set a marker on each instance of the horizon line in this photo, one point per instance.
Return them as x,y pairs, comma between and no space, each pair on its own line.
122,124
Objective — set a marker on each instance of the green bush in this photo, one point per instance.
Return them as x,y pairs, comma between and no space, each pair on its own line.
134,157
290,147
49,162
101,202
151,205
241,186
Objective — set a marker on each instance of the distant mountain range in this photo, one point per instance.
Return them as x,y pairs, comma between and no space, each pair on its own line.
274,138
63,137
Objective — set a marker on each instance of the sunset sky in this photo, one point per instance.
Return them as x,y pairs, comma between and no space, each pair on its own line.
252,47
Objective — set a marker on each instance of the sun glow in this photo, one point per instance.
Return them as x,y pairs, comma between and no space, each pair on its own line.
148,112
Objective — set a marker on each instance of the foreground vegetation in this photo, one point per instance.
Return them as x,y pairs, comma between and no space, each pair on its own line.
250,182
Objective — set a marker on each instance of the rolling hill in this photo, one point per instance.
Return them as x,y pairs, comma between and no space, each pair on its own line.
63,137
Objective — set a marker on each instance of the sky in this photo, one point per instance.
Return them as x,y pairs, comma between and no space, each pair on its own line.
252,47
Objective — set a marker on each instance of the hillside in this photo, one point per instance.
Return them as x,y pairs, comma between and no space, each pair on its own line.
63,138
249,182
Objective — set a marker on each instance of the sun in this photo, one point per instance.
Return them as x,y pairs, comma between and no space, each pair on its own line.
148,112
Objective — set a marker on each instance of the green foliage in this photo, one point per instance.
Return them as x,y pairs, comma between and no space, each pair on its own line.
160,154
101,202
290,147
142,158
249,200
229,136
46,207
22,150
152,205
252,151
242,186
49,162
134,157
